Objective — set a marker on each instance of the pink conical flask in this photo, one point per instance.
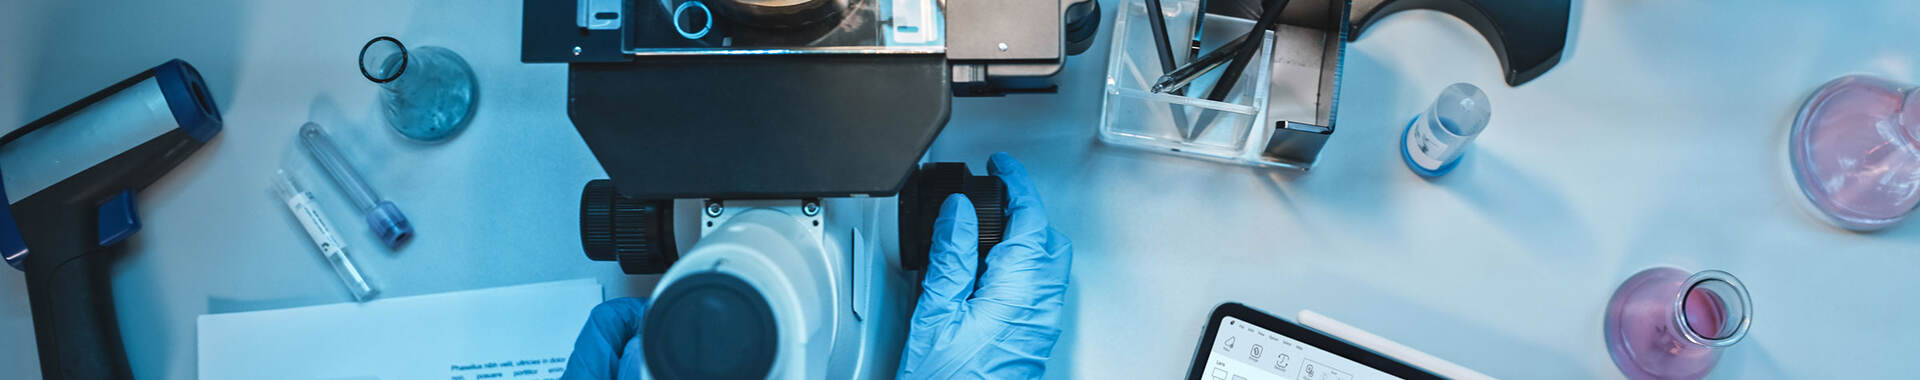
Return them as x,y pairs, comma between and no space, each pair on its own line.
1664,323
1855,153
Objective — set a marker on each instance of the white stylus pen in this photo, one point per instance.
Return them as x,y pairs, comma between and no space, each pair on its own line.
322,233
1387,347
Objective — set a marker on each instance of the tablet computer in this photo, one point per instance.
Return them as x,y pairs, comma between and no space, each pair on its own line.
1241,343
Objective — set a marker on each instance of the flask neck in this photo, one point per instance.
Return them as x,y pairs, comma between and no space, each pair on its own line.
1711,311
384,60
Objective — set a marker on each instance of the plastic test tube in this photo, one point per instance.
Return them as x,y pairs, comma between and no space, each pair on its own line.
382,216
321,231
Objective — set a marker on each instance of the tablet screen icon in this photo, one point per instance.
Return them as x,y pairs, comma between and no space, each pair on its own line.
1312,370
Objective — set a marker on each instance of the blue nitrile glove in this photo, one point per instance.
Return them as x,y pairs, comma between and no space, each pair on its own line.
1006,328
609,346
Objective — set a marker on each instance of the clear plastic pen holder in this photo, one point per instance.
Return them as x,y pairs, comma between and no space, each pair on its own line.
1183,123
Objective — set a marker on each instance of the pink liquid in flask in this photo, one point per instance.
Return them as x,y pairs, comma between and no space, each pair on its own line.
1705,312
1855,151
1663,323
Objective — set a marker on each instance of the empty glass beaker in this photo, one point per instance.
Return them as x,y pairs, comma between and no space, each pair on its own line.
1855,149
1435,140
1663,323
427,92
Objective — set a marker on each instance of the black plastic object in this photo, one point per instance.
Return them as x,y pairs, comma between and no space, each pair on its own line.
1000,47
709,325
745,126
68,285
549,34
1157,22
1297,144
636,233
794,126
920,205
1082,23
1527,35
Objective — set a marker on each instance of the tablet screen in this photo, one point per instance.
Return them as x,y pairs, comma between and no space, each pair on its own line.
1244,351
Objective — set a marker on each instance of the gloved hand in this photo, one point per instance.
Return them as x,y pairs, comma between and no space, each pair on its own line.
1006,328
609,345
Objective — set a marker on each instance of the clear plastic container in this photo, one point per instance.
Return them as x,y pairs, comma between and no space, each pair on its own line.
1855,149
1434,141
1134,116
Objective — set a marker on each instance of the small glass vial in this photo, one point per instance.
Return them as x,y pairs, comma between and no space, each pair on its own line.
1664,323
1435,140
384,218
321,232
427,92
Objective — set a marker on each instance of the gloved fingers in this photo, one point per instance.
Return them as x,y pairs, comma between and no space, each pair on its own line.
1009,326
1026,217
1021,270
602,341
1021,353
1026,286
633,363
616,321
988,347
1061,248
1027,297
951,265
1013,173
1048,279
1026,229
952,260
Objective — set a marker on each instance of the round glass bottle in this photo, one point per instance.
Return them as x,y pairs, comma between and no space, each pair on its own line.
427,92
1855,148
1663,323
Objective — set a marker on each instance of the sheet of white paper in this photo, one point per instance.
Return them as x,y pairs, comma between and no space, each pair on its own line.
511,333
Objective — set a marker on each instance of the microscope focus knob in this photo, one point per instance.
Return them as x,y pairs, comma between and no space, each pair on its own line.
636,233
1082,20
920,204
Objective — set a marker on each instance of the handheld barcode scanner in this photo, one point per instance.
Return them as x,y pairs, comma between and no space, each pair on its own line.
70,179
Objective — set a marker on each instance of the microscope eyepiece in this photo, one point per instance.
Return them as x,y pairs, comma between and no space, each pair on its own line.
710,325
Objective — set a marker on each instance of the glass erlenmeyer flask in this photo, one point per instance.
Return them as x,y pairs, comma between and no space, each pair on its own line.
1663,323
1855,153
427,92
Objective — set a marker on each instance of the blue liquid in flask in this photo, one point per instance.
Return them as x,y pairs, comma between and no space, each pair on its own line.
427,93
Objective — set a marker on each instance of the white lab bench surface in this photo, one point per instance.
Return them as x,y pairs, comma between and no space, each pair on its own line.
1658,140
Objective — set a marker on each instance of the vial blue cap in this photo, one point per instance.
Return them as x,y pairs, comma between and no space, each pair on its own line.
389,224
